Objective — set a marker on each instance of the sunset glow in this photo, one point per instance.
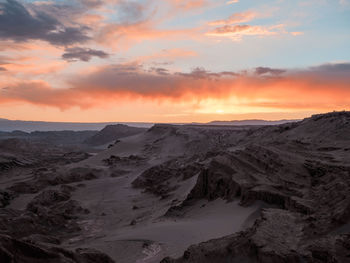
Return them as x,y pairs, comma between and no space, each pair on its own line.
173,60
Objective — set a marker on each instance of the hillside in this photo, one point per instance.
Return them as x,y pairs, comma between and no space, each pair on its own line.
110,133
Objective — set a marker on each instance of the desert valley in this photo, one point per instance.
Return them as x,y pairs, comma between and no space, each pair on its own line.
179,193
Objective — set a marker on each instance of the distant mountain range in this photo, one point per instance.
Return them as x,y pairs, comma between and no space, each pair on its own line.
250,122
82,138
29,126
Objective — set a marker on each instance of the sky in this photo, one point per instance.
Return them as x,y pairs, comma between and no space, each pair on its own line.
173,60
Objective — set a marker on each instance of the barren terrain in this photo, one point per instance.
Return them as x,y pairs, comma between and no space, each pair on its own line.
181,193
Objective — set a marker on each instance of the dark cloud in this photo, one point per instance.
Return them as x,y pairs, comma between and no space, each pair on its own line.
266,70
200,73
2,69
160,71
127,78
197,73
63,11
326,72
83,54
134,79
18,23
336,67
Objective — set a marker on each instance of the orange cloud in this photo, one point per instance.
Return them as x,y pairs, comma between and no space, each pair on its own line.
237,32
232,2
34,66
34,58
322,88
236,18
42,94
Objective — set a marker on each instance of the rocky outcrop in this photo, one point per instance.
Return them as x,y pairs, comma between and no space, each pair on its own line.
116,161
302,170
30,152
216,181
51,213
18,251
162,179
241,175
43,179
300,231
7,163
278,236
5,198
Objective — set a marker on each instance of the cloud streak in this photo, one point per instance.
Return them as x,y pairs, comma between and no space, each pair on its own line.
232,2
237,32
235,18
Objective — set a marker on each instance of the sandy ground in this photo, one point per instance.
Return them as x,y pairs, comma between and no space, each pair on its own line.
151,237
108,228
